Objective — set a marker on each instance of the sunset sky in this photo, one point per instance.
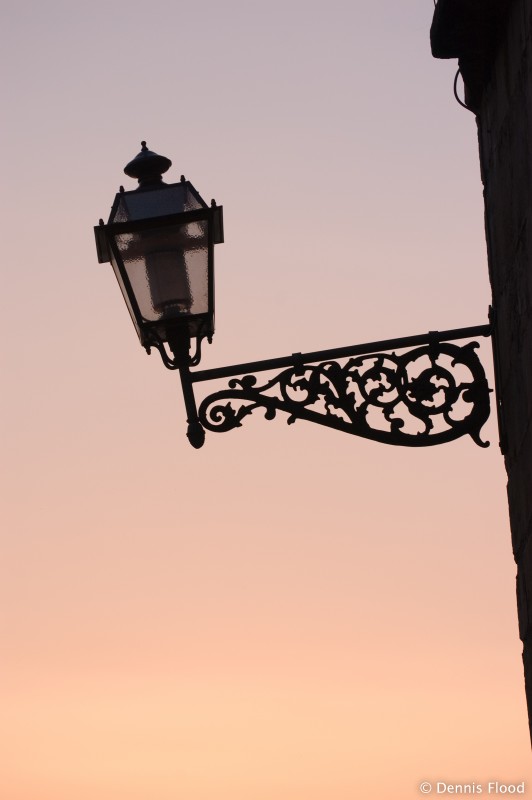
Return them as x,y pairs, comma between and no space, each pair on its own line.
290,613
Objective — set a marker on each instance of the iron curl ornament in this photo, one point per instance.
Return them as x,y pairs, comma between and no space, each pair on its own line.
434,393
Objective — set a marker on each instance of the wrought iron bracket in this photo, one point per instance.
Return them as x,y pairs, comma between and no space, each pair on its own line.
434,391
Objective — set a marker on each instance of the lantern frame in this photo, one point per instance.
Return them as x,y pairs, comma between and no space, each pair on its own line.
174,329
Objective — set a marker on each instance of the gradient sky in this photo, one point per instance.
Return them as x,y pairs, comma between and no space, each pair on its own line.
289,613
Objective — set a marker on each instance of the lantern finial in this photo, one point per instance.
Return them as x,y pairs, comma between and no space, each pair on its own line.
148,167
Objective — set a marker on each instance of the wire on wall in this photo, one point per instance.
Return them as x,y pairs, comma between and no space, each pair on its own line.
464,105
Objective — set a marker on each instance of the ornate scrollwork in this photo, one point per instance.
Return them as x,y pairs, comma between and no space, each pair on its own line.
426,396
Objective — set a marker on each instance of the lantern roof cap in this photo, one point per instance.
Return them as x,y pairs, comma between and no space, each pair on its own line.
148,167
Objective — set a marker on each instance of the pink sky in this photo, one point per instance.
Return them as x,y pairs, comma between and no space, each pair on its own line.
289,613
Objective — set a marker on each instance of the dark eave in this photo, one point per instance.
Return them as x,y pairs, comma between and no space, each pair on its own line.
469,30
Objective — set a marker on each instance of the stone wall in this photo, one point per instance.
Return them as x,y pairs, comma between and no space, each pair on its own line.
504,116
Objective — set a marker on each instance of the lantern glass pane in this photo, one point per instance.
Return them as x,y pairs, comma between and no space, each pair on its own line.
124,291
172,199
167,267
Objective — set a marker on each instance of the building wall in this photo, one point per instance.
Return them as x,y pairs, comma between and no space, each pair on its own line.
505,141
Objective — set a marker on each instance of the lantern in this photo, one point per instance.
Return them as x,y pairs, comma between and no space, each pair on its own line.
160,241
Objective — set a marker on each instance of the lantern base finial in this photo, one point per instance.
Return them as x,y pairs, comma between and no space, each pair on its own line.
196,434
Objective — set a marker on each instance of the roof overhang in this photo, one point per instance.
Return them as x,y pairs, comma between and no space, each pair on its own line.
469,30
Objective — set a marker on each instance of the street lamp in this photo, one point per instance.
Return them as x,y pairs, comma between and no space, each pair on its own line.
160,241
